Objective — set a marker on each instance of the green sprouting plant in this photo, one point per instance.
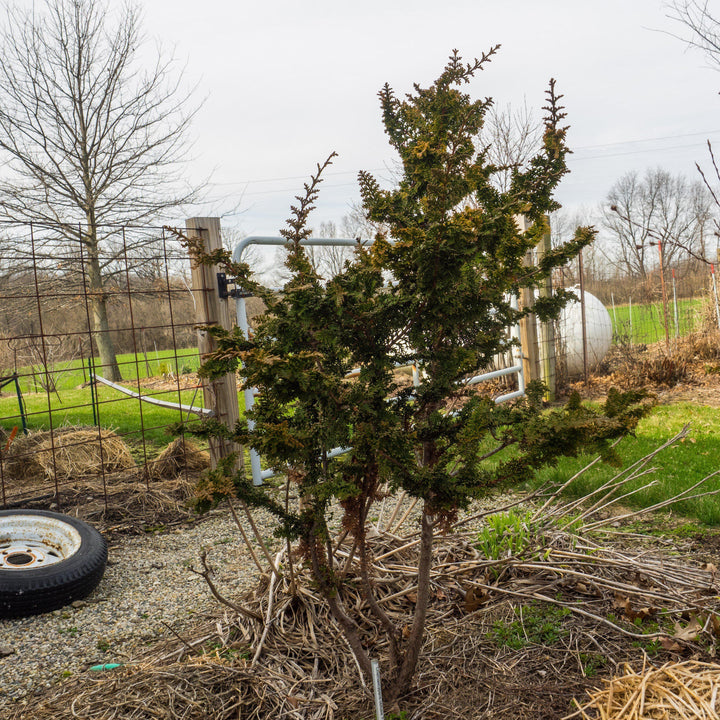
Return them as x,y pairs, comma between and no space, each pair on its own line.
651,647
592,663
505,535
228,652
536,624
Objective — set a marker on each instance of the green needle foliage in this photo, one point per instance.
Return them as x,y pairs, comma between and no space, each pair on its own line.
434,289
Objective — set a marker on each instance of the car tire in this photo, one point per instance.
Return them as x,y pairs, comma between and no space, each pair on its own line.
47,560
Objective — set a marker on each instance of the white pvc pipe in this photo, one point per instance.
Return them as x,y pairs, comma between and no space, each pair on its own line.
249,394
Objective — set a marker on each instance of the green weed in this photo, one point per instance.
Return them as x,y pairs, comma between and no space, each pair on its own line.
226,652
505,535
538,624
592,663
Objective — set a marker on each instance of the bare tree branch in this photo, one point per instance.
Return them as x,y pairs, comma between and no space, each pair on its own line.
658,208
704,27
92,140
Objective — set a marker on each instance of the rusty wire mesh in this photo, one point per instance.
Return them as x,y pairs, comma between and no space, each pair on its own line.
57,425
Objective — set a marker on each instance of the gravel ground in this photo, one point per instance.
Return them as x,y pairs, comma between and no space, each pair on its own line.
147,583
147,587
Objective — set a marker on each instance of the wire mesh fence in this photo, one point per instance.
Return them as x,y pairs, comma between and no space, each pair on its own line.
661,309
660,313
98,354
99,351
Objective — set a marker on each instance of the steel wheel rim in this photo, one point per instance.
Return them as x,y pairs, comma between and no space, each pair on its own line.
29,542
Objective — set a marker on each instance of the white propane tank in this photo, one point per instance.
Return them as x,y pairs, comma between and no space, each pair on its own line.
598,332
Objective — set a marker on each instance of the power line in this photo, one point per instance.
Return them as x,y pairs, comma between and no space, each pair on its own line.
632,142
573,158
633,152
296,177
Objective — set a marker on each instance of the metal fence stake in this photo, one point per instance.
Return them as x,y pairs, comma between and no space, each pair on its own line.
377,688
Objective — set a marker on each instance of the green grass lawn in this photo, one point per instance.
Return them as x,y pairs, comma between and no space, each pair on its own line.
645,323
68,375
71,404
677,468
125,415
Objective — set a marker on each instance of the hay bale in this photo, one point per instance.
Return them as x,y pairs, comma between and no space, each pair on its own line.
66,453
180,455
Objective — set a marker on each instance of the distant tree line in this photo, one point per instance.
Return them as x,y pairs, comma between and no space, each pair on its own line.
44,317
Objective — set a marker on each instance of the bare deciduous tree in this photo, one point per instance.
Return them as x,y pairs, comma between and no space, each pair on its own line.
704,34
641,212
329,260
511,137
92,140
704,27
597,265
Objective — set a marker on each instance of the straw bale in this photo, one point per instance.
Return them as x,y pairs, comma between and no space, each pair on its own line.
180,455
67,453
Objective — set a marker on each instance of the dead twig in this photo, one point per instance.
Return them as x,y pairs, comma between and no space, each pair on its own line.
205,574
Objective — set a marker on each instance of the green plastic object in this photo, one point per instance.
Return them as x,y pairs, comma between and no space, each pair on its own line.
106,666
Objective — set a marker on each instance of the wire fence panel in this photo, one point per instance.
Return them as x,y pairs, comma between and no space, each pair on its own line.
73,314
99,351
655,312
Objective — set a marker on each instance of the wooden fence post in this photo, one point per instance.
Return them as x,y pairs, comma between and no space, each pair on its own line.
220,395
528,325
547,329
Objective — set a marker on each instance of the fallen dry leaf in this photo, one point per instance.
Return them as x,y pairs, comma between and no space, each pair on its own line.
690,631
625,604
715,623
474,598
671,645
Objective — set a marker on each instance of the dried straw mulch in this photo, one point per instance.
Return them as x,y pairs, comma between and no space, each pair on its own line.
127,502
66,453
179,456
278,652
675,691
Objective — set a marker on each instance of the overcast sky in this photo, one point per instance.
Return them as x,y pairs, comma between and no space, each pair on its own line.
287,82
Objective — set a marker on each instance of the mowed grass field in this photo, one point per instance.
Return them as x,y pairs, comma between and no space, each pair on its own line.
674,470
645,323
69,374
145,430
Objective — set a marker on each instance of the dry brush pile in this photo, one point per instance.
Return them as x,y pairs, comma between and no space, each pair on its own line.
65,453
91,473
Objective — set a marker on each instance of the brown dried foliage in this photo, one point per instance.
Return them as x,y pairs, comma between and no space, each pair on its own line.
65,453
179,456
